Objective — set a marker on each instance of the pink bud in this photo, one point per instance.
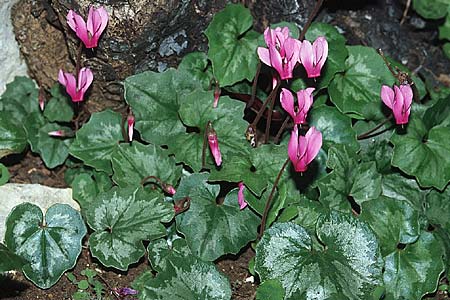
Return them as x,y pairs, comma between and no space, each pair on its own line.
213,144
89,33
241,200
399,100
130,121
76,88
313,56
169,189
216,95
57,133
41,99
303,149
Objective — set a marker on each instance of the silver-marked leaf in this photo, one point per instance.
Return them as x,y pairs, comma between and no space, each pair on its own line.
393,221
132,163
161,251
361,181
186,278
50,245
9,260
348,268
96,140
212,230
53,150
13,137
196,63
357,91
86,186
414,271
155,99
232,45
122,219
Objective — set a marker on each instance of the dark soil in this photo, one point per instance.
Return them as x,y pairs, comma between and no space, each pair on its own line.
371,23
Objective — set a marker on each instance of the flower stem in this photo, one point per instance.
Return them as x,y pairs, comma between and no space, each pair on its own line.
269,200
269,121
78,62
366,134
255,84
282,128
310,19
205,138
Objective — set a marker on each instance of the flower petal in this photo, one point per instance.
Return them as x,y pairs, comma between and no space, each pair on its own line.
387,95
287,102
293,146
241,200
320,48
264,55
307,56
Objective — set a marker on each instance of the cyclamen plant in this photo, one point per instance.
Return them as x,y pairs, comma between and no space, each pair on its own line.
325,193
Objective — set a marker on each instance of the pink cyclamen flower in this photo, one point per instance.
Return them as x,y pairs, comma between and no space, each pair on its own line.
399,100
241,200
304,100
282,53
89,32
313,56
130,122
303,149
74,88
213,144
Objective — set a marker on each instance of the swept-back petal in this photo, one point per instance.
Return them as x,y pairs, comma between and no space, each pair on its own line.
91,23
104,19
68,80
287,102
85,78
275,60
268,36
398,106
293,146
307,56
387,96
320,47
241,200
314,141
407,93
264,55
71,20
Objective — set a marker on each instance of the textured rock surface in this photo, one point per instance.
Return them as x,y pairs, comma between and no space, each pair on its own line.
10,62
12,194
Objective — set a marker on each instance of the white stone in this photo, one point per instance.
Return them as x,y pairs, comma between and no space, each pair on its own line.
13,194
11,64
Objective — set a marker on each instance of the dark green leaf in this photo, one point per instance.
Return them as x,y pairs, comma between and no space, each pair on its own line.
121,219
270,290
232,45
51,245
20,99
437,208
196,63
59,108
161,251
96,140
431,9
349,268
13,137
9,260
401,188
221,229
4,174
357,91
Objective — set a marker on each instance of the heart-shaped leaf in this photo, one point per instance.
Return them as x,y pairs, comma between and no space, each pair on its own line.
423,153
20,99
50,245
9,260
401,188
121,219
393,221
196,63
431,9
414,271
187,278
155,99
437,208
161,251
349,268
360,181
222,229
96,140
357,91
59,108
132,163
232,45
86,186
13,138
53,150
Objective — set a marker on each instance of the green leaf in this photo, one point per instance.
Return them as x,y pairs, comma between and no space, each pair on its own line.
360,181
437,208
4,175
414,271
20,99
227,121
196,63
446,48
309,212
336,128
53,150
59,108
96,140
349,268
83,284
270,290
185,278
9,260
444,29
357,91
50,244
222,229
161,251
13,138
255,170
121,219
132,163
393,221
86,186
431,9
232,45
336,55
423,153
401,188
155,99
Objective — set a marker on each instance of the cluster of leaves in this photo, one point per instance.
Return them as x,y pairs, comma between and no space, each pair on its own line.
89,288
436,9
315,247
